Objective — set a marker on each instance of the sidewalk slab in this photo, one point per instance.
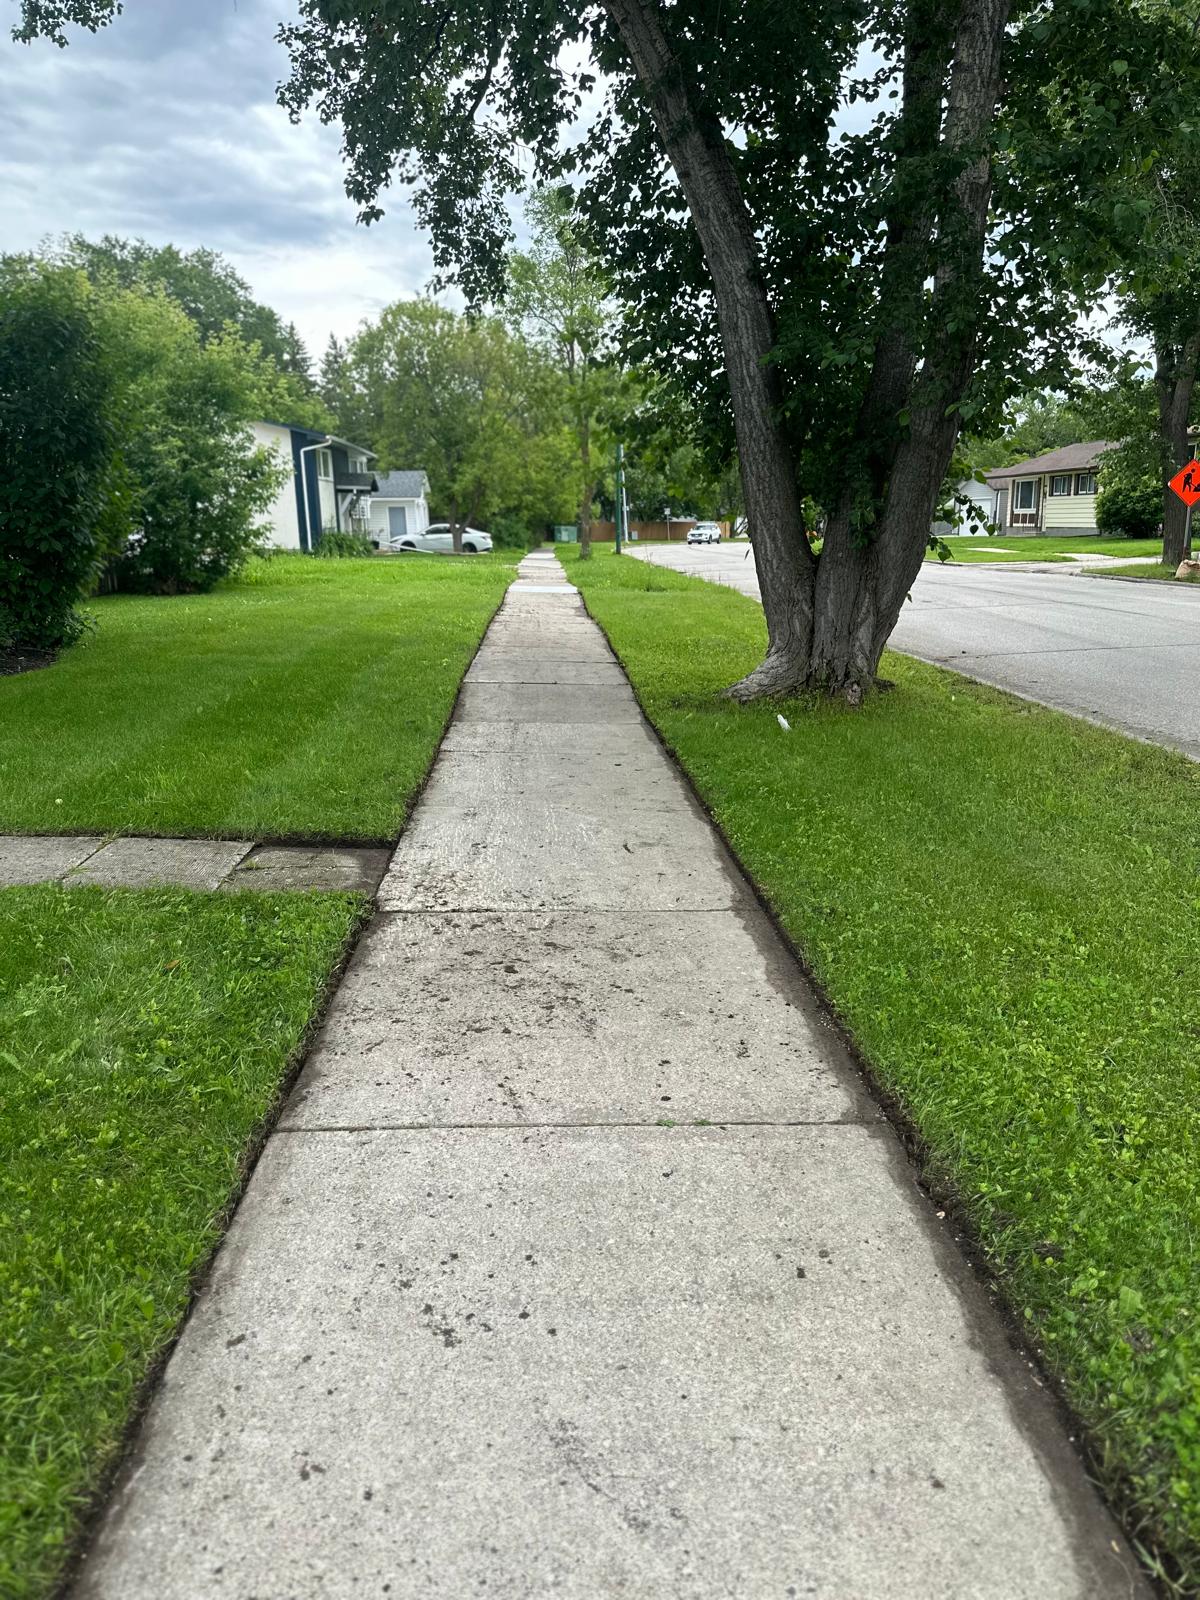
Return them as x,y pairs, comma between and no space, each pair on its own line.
653,1362
25,860
558,858
324,867
627,778
158,863
538,667
549,702
551,740
551,1018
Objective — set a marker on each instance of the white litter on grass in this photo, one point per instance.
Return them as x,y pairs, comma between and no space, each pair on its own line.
783,722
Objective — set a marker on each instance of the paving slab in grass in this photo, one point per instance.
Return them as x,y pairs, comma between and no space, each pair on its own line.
653,1362
152,863
304,867
582,1018
25,860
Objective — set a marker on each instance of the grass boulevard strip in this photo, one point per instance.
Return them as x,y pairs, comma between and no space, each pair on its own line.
146,1037
1000,902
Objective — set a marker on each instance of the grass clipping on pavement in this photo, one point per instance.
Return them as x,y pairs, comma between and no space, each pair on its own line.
1003,904
305,699
143,1039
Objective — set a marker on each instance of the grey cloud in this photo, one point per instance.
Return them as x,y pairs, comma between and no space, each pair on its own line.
165,125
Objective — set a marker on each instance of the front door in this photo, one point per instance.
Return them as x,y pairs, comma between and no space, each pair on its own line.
1025,502
397,521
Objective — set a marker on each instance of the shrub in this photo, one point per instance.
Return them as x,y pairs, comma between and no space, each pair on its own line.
56,452
1130,506
511,531
197,482
340,546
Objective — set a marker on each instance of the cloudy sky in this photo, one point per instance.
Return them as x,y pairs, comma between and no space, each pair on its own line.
165,126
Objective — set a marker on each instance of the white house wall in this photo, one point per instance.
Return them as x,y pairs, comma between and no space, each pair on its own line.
282,526
417,516
328,503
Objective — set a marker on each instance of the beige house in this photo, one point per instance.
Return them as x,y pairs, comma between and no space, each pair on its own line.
1054,493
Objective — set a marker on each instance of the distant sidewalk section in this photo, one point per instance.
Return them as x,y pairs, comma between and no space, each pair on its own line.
580,1263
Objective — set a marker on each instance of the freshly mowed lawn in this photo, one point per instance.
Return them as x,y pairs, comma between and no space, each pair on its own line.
1003,905
982,547
305,700
143,1038
1158,571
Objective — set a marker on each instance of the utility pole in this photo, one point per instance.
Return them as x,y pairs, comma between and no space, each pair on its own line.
620,497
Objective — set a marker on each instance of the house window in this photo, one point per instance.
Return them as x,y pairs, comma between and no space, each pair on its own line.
1025,494
324,464
1061,484
1085,483
357,463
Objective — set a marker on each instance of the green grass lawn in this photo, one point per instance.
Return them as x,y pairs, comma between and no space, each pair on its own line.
1004,906
143,1038
982,547
1157,571
305,700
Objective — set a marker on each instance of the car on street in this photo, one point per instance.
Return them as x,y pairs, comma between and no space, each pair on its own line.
704,533
438,540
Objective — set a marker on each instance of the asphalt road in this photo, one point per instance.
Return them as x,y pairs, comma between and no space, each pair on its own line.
1123,654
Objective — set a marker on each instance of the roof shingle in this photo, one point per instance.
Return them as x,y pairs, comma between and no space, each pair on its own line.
401,485
1070,458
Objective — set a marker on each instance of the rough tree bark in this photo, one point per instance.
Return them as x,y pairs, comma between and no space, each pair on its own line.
828,621
1175,370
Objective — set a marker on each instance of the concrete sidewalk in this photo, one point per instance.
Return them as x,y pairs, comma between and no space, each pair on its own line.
580,1264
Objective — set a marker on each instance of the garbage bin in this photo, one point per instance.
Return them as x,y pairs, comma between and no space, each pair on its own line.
568,534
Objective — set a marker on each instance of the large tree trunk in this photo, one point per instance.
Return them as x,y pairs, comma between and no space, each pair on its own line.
827,622
1175,382
862,583
695,146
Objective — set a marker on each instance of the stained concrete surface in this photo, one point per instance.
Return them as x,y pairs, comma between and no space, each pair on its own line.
589,1362
320,867
26,860
137,863
130,863
545,1342
529,1019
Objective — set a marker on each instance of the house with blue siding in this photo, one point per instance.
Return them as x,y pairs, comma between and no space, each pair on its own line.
329,485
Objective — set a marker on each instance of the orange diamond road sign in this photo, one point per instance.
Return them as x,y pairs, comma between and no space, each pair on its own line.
1186,483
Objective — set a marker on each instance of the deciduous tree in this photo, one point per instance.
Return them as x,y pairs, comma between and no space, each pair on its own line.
558,295
855,293
466,400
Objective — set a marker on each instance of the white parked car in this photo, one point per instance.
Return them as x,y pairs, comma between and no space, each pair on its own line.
437,539
704,533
